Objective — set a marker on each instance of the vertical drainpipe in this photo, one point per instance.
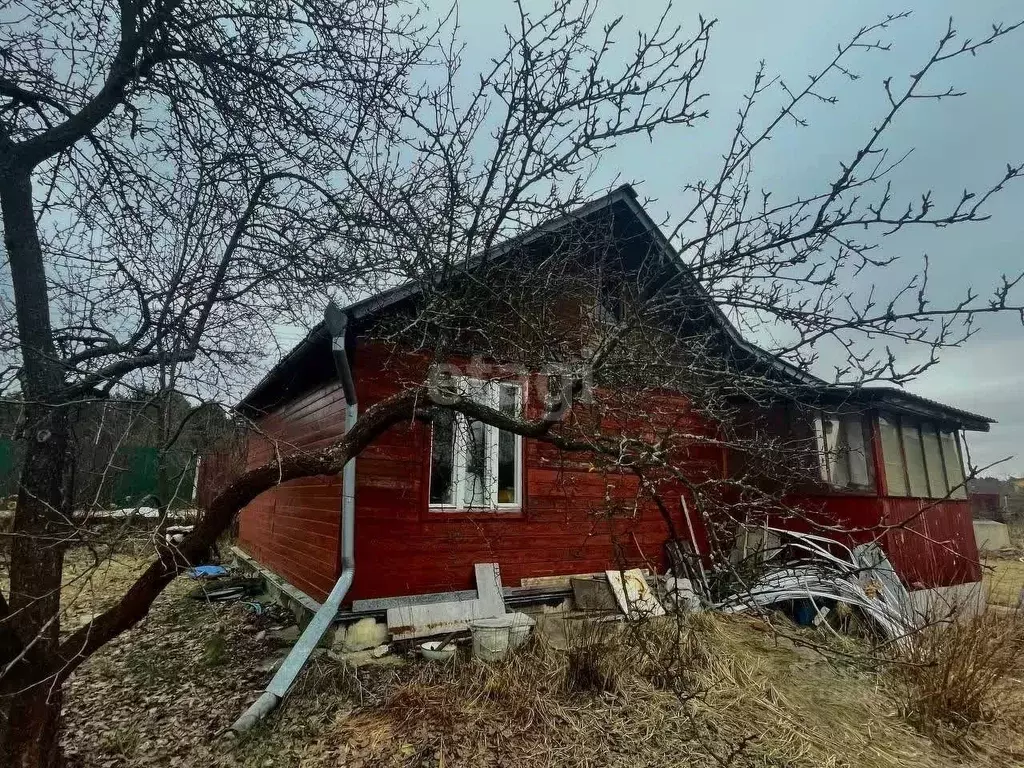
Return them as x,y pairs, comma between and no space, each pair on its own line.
277,689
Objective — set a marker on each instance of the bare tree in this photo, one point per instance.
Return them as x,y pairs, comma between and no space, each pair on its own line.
175,175
190,174
161,166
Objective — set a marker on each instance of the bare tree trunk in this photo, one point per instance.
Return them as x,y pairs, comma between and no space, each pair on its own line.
30,707
163,480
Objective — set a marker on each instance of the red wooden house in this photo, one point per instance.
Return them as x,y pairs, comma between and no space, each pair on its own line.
426,510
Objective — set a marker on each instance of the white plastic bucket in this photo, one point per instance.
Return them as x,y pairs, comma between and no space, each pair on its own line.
492,638
519,630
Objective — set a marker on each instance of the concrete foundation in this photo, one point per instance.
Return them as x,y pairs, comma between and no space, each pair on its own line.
947,603
991,535
295,600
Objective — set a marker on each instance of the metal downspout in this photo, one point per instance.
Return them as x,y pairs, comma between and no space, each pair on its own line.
296,659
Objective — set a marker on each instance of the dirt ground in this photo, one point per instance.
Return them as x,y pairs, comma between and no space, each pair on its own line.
164,693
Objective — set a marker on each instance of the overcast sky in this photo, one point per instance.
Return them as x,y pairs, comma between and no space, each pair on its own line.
958,143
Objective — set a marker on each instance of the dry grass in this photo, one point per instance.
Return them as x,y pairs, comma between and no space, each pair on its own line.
953,677
712,691
1004,579
93,584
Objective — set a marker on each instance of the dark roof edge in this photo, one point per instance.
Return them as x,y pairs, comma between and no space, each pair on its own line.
317,333
907,402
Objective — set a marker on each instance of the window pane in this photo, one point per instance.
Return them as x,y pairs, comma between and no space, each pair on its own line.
441,455
507,403
829,449
475,465
857,452
933,461
895,477
915,460
839,451
475,478
819,434
954,467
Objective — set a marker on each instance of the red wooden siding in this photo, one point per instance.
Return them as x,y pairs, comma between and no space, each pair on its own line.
575,517
935,545
562,527
293,529
403,548
930,548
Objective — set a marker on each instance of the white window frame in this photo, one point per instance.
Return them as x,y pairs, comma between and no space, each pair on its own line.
491,394
829,456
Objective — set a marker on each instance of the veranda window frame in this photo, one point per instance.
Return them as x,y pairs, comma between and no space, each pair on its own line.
923,429
829,456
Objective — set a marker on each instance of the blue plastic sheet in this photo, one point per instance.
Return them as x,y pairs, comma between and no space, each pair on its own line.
207,571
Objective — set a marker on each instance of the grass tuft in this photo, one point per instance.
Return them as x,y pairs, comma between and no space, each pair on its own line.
954,676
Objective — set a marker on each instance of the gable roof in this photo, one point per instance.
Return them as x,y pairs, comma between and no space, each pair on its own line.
624,199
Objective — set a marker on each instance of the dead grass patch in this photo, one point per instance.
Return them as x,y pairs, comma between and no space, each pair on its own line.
1004,580
953,677
708,691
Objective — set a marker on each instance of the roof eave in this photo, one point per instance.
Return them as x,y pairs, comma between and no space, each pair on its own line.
902,401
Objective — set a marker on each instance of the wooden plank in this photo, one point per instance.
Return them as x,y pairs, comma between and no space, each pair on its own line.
385,603
438,618
558,582
488,588
633,594
413,621
410,621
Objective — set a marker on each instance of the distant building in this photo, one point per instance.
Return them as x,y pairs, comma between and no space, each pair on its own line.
995,499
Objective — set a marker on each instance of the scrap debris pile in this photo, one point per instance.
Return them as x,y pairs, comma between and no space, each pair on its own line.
816,580
814,575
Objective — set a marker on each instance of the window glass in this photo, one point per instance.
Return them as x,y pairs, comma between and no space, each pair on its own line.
916,473
856,451
954,467
507,452
842,451
892,455
442,452
474,465
830,445
933,462
474,487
